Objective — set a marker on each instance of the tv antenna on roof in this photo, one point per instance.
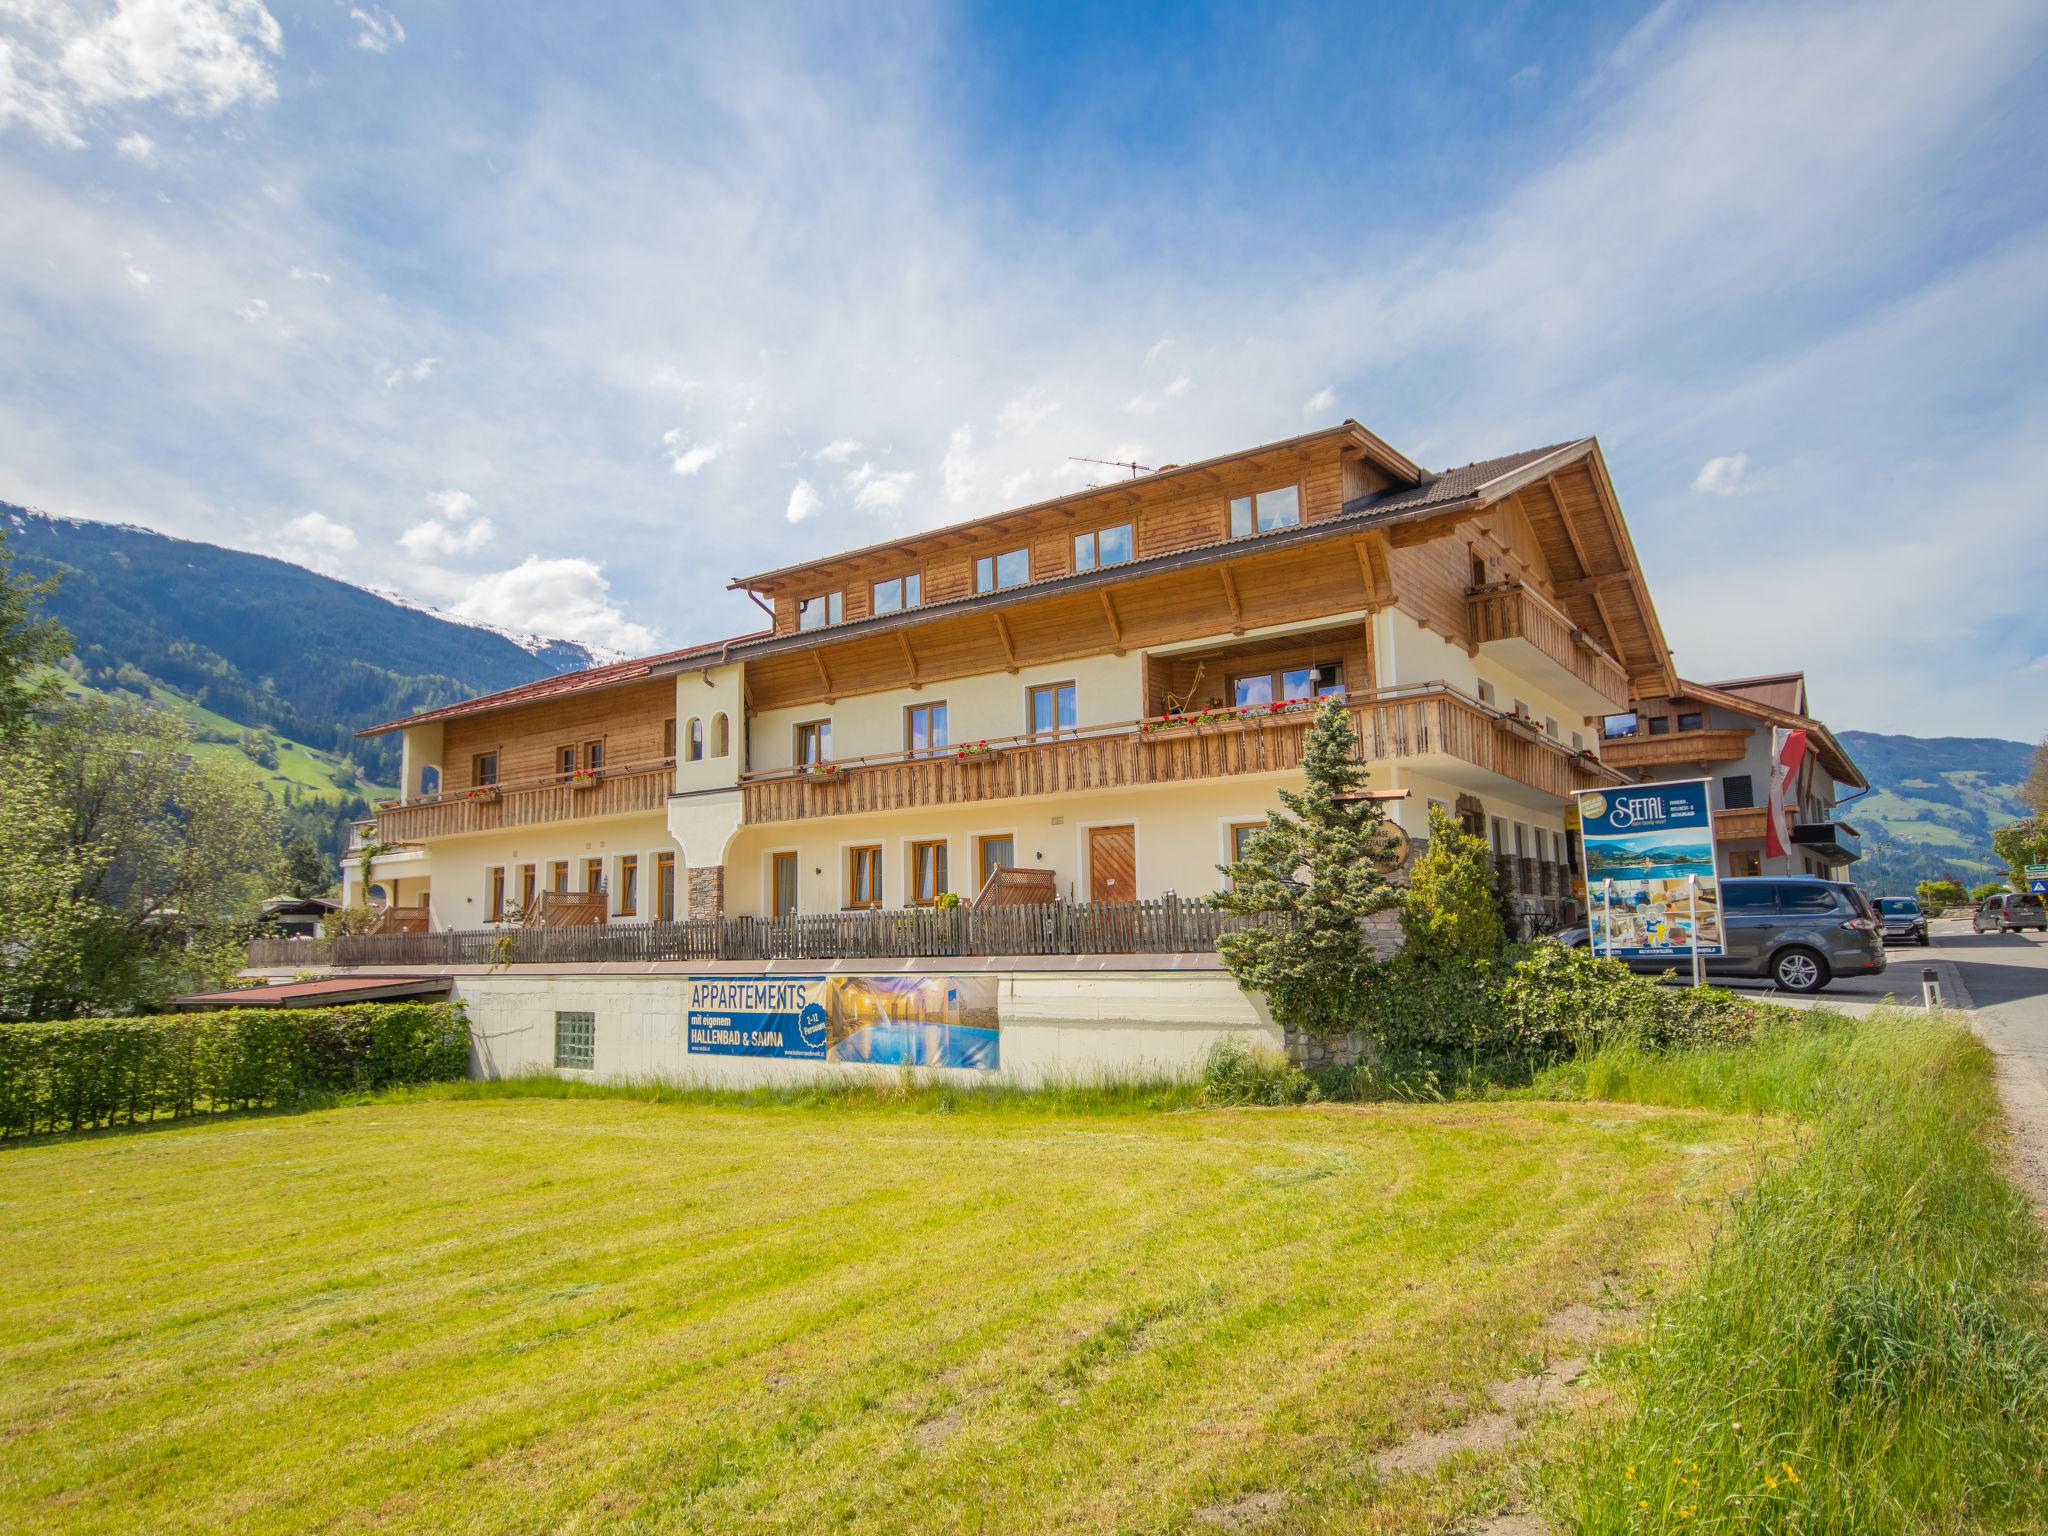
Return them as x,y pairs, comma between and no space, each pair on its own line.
1132,465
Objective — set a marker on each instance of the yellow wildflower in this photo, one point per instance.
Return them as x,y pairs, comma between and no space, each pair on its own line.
1790,1475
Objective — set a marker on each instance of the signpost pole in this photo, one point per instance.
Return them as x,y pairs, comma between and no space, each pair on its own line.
1692,895
1607,914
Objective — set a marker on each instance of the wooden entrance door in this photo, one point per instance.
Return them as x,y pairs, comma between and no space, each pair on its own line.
1112,863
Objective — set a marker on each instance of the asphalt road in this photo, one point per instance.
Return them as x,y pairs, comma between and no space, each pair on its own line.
2005,982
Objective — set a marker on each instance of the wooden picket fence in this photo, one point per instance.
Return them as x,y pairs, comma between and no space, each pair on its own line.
1167,925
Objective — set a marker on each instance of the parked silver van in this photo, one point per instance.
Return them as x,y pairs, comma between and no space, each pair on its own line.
2009,912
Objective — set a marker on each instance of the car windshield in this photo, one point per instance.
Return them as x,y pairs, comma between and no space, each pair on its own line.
1896,906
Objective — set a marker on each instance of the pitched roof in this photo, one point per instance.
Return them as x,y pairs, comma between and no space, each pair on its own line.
569,682
1833,755
1780,690
1481,481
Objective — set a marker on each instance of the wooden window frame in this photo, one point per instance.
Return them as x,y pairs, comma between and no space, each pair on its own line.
995,569
1254,497
668,738
796,881
558,876
822,730
857,856
720,744
1698,718
628,890
835,609
1230,842
476,768
1092,539
903,582
943,881
1031,693
565,760
529,888
981,842
494,893
593,753
1276,676
693,742
593,874
926,707
664,892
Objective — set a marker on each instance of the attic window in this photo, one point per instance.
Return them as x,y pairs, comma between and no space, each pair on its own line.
1265,511
1012,568
817,612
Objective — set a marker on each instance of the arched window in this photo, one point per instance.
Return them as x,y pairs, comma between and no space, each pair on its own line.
430,780
721,735
696,752
375,898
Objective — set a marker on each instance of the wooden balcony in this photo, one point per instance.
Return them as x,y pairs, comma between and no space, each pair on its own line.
1544,644
1675,748
633,787
1432,722
1739,826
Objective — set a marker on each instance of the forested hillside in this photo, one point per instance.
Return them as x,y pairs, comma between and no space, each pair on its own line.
260,642
1933,805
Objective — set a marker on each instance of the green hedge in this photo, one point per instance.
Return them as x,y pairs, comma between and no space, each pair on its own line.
81,1073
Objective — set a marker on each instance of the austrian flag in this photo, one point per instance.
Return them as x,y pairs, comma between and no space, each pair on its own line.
1788,751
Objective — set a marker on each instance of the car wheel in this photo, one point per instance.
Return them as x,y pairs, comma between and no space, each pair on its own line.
1800,970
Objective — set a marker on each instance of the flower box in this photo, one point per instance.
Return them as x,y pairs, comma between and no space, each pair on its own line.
821,770
483,792
976,752
586,778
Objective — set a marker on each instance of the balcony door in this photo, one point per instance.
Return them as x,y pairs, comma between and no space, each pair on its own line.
1113,863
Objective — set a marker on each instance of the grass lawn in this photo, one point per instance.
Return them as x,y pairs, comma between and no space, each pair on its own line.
525,1314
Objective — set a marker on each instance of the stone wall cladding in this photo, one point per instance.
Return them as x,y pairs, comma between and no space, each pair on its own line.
707,890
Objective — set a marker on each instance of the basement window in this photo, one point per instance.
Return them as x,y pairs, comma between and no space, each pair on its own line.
576,1041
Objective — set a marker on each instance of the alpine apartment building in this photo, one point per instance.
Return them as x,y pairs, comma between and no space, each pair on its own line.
1100,693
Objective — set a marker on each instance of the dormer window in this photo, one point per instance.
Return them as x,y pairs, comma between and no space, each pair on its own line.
1012,568
1265,511
897,594
817,612
1103,546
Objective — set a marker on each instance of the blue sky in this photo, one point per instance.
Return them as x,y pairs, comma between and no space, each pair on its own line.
559,317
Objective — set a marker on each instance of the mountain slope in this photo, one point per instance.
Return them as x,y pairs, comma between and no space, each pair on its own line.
259,641
1933,805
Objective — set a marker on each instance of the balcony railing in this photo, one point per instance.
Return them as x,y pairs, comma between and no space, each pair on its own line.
1430,720
532,802
1514,612
1739,825
1168,925
1722,744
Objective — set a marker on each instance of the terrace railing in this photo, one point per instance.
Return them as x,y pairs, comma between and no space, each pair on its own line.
1167,925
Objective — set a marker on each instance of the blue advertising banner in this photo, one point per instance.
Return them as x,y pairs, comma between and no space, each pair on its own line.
898,1021
1651,870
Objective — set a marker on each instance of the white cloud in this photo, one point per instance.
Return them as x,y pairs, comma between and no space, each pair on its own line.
804,502
425,541
1158,349
378,30
1014,485
454,505
838,451
687,458
2038,666
312,533
569,598
668,377
200,58
253,311
874,490
139,147
1724,476
960,471
140,277
1525,77
309,275
1024,412
1319,402
413,372
1181,384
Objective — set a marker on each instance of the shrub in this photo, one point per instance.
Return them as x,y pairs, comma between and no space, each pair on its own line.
80,1073
1451,916
1937,894
1237,1073
1986,891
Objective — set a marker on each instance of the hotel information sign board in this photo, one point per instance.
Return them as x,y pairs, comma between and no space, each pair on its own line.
897,1021
1655,843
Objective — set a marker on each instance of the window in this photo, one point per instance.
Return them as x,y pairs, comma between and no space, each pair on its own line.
529,887
814,742
924,728
576,1041
1578,742
665,887
1265,511
721,735
1521,709
693,750
783,880
593,754
1103,546
565,759
1521,841
1478,568
1660,725
1815,898
593,875
1012,568
1738,792
1746,898
430,780
817,612
486,768
1310,682
897,594
927,872
1743,862
864,876
494,893
668,738
1486,693
629,884
1500,835
1550,728
1050,708
992,854
1690,722
1618,725
558,875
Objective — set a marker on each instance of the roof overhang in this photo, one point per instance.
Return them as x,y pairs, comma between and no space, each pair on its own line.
330,991
1834,757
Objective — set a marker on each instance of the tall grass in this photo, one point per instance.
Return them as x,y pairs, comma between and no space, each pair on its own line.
1866,1346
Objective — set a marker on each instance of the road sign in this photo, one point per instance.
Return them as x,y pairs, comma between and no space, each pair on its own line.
2037,878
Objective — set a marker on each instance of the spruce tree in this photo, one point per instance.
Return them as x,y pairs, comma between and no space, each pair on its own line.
1322,863
1453,915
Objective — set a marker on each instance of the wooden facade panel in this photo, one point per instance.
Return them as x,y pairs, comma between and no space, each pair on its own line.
629,720
1430,583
